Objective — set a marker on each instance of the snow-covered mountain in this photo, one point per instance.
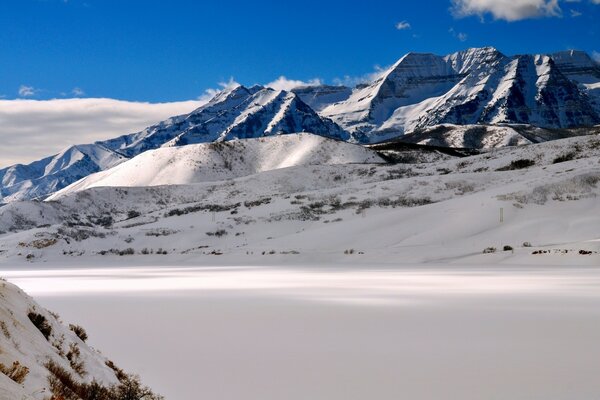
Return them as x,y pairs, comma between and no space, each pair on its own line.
476,86
50,174
41,358
225,160
234,113
417,95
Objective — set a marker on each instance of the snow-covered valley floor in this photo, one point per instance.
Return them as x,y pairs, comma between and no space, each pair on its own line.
310,269
338,332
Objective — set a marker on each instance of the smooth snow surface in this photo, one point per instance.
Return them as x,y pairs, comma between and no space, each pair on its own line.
339,332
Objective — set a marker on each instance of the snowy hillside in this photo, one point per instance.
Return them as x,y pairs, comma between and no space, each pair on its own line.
225,160
437,208
490,136
42,357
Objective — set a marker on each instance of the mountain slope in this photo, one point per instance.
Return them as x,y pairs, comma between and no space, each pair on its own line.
227,160
50,174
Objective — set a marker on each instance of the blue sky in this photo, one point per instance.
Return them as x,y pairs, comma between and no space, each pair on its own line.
161,51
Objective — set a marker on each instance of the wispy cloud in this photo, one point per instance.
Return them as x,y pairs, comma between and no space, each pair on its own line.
77,92
352,81
596,55
458,35
283,83
403,25
32,129
575,13
508,10
27,91
212,92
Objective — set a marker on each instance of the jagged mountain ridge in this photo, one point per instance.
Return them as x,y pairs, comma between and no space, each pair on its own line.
419,92
476,86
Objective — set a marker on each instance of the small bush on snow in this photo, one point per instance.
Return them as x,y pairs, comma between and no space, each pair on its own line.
16,371
41,323
79,331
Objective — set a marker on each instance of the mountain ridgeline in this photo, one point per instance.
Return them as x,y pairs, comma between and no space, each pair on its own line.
511,96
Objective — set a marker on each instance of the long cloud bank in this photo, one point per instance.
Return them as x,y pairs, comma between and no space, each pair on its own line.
33,129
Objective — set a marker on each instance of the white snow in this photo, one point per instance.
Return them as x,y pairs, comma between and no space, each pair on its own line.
212,162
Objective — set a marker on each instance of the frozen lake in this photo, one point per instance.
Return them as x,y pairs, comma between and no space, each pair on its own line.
333,333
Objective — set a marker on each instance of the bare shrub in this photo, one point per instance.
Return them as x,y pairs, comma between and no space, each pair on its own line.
16,371
489,250
218,233
64,387
79,331
5,330
74,357
41,323
518,164
564,158
133,214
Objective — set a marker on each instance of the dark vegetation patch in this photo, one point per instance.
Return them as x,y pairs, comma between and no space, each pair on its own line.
518,164
41,323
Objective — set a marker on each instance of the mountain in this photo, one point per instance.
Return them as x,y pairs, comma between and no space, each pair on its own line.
418,94
234,113
476,86
50,174
227,160
41,357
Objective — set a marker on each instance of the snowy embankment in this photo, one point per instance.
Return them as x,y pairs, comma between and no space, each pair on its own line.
31,339
540,198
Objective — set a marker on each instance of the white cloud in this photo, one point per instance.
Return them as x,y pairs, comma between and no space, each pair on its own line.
575,13
352,81
596,1
78,92
509,10
403,25
27,91
596,56
212,92
32,129
283,83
